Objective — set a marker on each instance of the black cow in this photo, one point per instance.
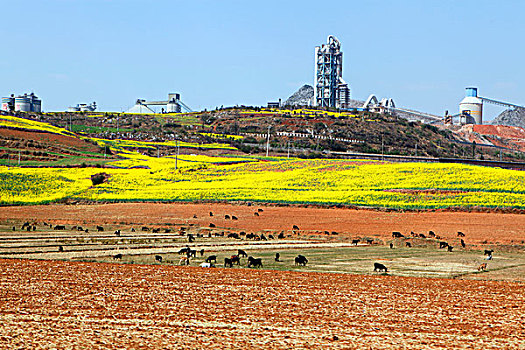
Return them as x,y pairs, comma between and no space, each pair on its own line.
117,233
252,262
158,258
391,245
461,234
463,243
145,228
256,214
355,241
277,256
260,210
227,217
212,225
184,251
443,245
156,230
60,227
380,267
211,214
202,252
301,260
281,235
192,252
234,217
191,238
431,234
60,248
235,259
295,227
408,244
422,235
488,252
241,253
100,228
211,258
369,241
132,229
228,262
396,234
450,248
117,257
263,237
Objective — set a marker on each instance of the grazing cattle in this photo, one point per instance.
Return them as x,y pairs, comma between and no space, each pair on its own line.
355,241
234,217
211,258
235,259
100,228
295,227
256,214
228,262
271,237
206,265
463,243
184,251
117,257
211,214
132,229
60,227
14,228
277,256
380,267
263,237
28,228
443,245
191,252
194,216
396,234
281,235
60,248
260,210
437,237
167,230
422,235
488,252
191,238
461,234
413,234
391,245
117,233
227,217
184,260
80,228
145,228
158,258
408,244
450,248
482,267
212,225
156,230
431,234
234,235
86,230
369,241
301,260
202,252
242,253
34,228
252,262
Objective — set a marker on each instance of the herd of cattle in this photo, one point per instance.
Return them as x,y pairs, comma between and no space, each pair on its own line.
187,253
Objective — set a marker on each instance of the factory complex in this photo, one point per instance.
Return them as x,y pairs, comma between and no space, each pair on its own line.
330,91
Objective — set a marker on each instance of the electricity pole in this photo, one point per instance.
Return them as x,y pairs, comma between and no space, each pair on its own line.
268,141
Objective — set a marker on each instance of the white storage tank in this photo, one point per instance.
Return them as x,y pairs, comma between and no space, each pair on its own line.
23,103
173,107
471,106
8,103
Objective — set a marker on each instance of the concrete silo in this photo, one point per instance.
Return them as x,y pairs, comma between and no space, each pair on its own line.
23,103
8,103
471,107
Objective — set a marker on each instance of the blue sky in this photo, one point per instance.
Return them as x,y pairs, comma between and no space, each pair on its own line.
421,53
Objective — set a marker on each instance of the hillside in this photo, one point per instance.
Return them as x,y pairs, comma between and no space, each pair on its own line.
511,117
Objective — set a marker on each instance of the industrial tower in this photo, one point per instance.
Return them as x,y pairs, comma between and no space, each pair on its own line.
330,90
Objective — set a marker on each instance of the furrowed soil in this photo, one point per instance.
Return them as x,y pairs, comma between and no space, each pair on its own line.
74,305
479,228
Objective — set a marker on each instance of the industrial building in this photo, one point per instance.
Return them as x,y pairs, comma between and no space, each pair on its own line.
330,90
23,103
172,105
83,107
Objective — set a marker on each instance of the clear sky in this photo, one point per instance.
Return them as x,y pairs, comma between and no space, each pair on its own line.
421,53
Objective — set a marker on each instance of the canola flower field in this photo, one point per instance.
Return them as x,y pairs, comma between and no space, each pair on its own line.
372,184
138,177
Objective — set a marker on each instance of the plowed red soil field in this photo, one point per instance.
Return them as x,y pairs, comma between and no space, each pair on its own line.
76,305
492,228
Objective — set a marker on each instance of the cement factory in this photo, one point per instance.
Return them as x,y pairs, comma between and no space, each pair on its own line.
330,90
22,103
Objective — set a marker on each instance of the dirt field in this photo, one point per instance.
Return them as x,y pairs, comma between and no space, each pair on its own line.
72,305
479,228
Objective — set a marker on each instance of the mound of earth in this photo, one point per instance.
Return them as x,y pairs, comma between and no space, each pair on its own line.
302,97
511,117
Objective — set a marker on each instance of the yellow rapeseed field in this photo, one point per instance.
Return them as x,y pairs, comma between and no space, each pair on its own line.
371,184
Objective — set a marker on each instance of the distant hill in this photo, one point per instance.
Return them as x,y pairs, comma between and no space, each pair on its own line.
511,117
302,97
